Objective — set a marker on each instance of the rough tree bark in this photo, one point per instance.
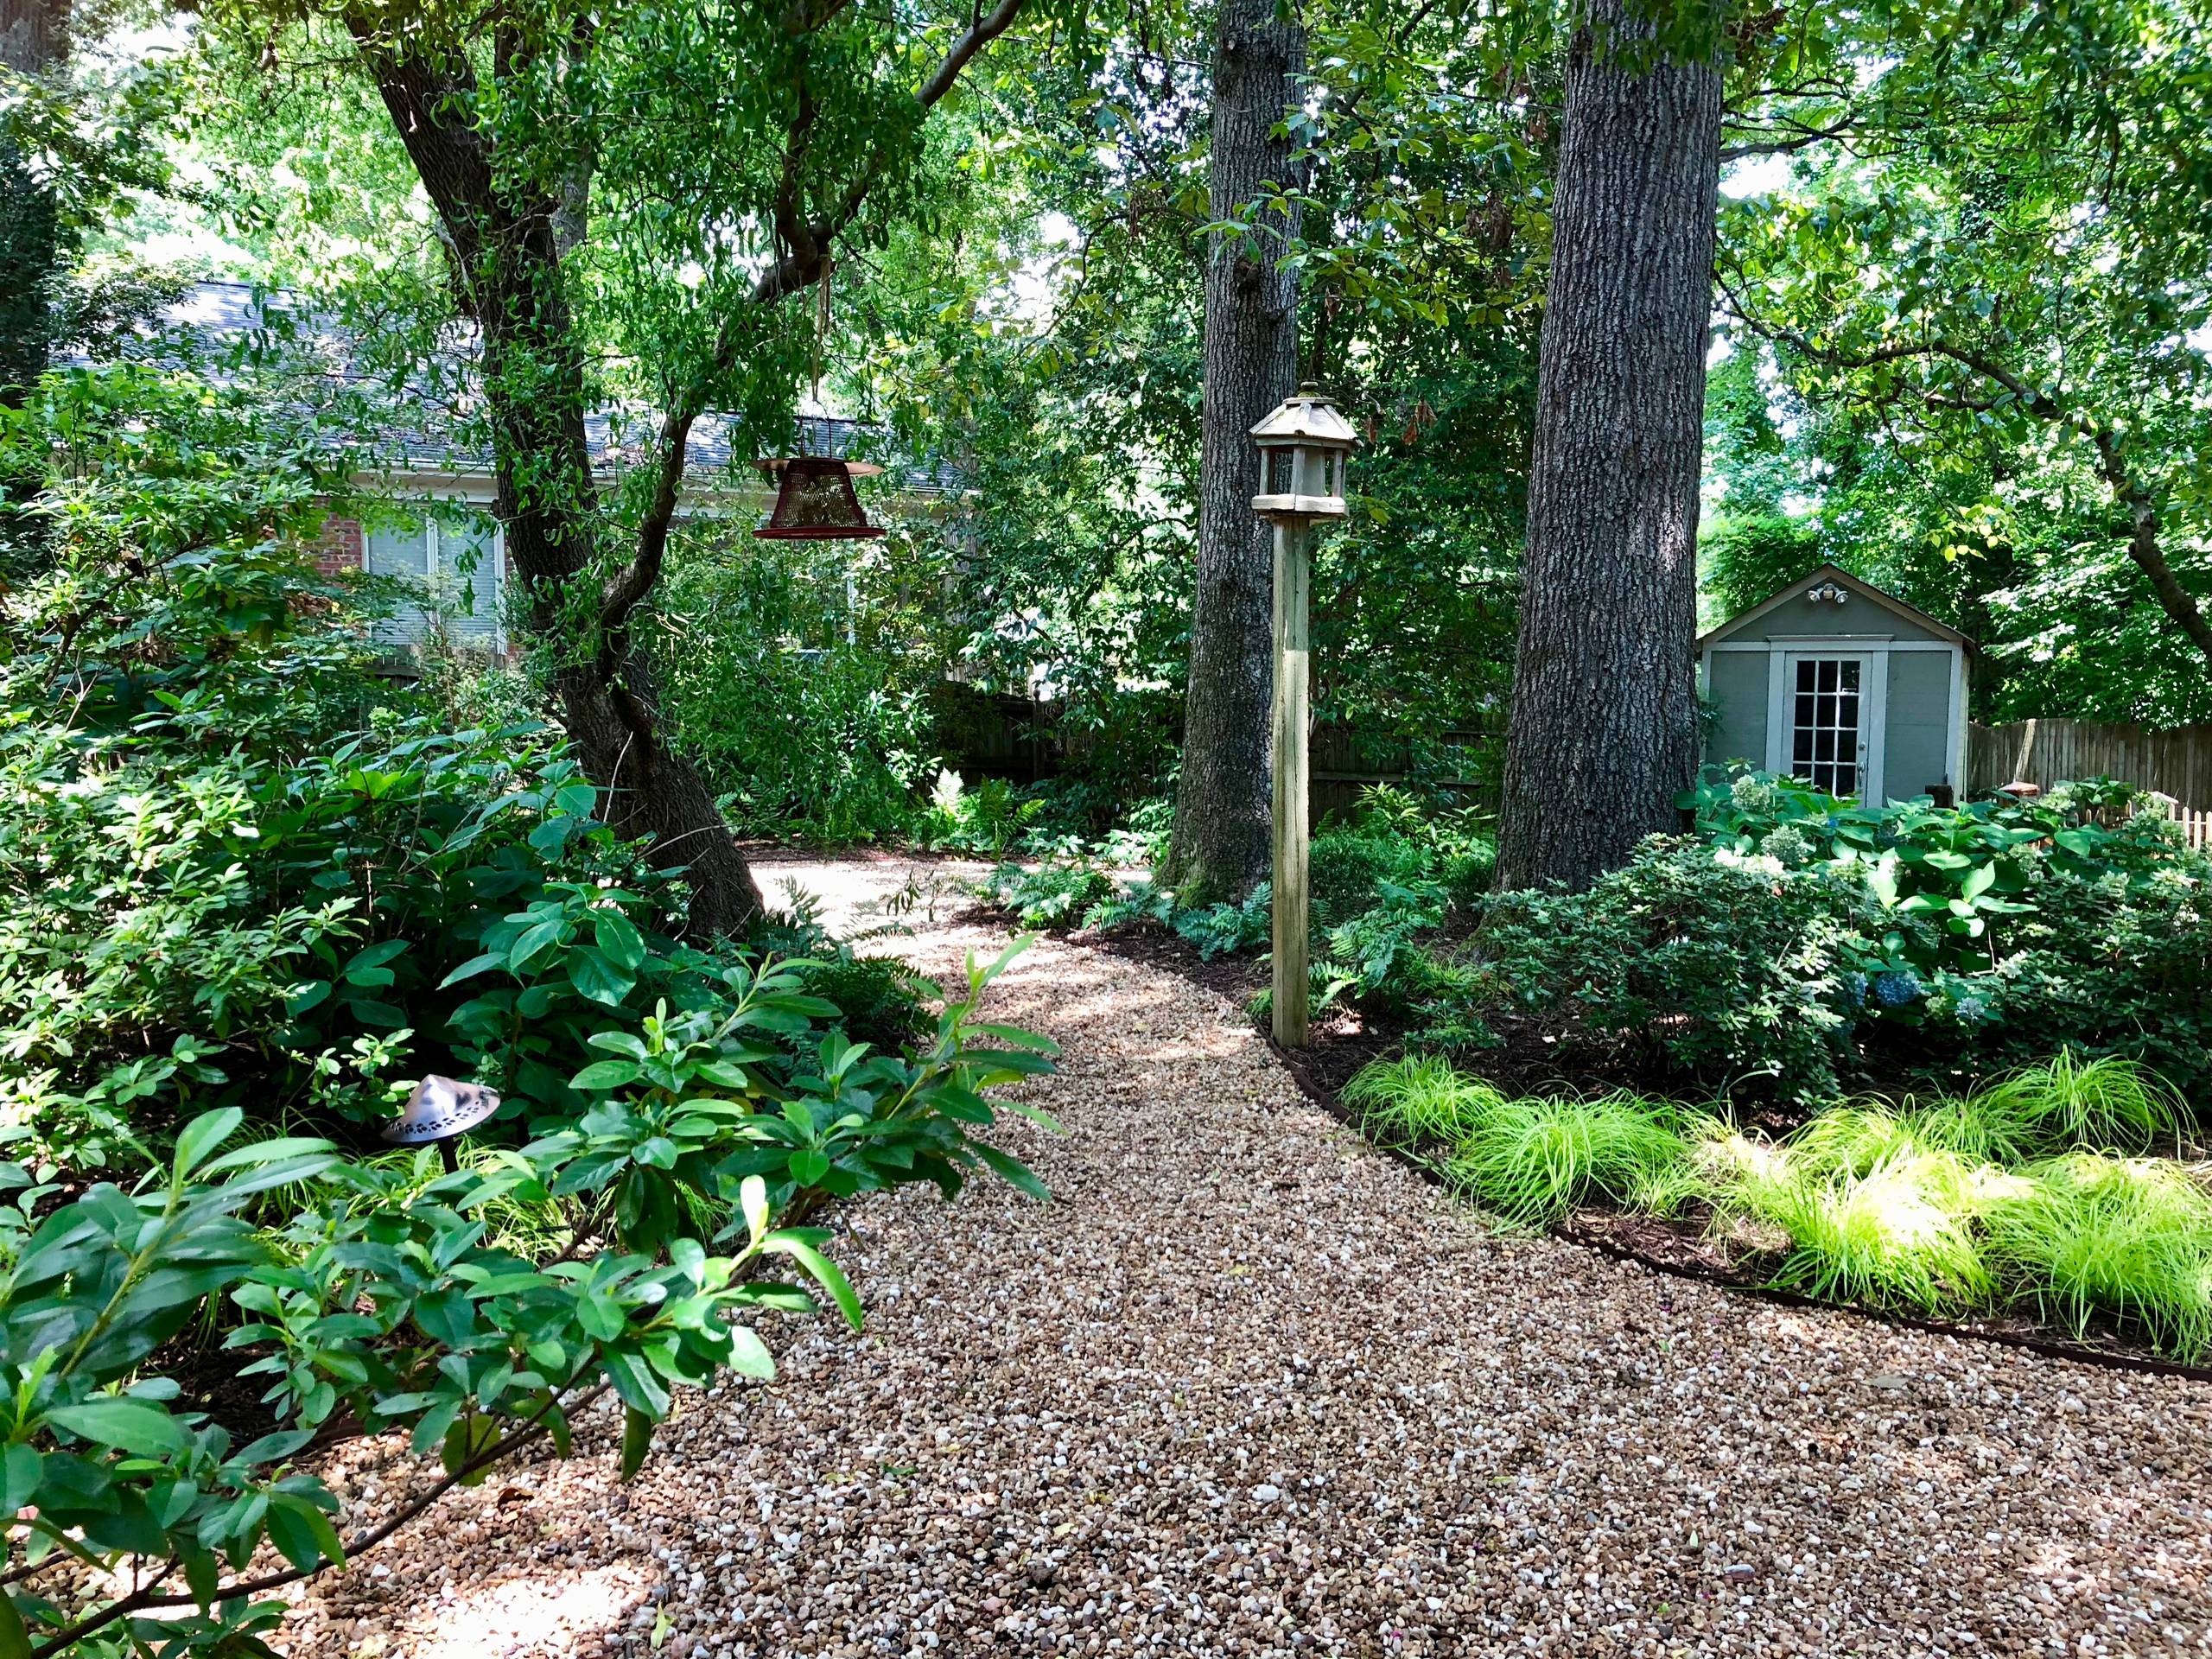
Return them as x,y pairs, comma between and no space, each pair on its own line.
1604,727
506,242
34,40
1219,848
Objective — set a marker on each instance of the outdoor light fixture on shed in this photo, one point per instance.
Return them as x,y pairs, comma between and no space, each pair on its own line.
439,1112
815,500
1305,447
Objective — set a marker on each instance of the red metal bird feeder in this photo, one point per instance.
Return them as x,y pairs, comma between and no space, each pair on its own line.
815,500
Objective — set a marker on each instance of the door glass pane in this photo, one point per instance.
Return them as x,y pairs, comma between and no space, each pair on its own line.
1824,722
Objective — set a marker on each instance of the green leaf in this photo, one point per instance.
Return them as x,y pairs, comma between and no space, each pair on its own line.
1016,1174
203,1134
637,1441
14,1640
539,935
473,966
126,1425
827,1274
603,1076
19,1477
808,1166
598,979
749,1356
1979,880
619,940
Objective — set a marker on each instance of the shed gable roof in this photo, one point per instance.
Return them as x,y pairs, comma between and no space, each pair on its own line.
1859,589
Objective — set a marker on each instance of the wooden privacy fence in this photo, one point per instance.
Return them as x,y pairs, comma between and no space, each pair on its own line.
2045,753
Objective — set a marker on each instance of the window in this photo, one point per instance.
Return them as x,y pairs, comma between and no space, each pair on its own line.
454,563
1279,467
1827,731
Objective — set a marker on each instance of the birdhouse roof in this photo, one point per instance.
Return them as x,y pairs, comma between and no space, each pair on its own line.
1306,417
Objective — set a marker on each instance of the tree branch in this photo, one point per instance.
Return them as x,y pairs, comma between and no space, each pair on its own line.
141,1600
808,242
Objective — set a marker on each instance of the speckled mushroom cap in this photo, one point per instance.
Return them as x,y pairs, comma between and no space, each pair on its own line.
439,1109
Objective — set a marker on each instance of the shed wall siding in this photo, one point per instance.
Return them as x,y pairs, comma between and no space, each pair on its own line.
1738,686
1796,619
1918,751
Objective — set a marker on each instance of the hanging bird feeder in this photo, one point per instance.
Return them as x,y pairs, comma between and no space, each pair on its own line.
815,500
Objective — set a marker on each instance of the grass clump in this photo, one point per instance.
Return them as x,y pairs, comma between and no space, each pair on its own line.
1892,1228
1535,1159
2032,1193
1420,1098
2084,1234
2108,1105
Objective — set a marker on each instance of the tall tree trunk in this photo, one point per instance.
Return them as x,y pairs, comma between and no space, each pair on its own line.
1220,846
506,248
34,40
1604,727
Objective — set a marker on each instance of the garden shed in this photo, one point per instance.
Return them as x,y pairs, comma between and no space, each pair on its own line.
1840,684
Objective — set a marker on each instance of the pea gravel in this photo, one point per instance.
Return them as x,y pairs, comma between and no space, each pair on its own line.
1247,1388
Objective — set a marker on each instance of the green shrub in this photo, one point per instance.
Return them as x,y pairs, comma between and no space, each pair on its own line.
1686,959
808,716
879,1000
1051,895
2004,928
247,877
1224,930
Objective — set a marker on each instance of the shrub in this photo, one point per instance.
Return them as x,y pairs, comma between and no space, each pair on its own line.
1051,895
2004,927
1223,930
248,878
1710,962
805,719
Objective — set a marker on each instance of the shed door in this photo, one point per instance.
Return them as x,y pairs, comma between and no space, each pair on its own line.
1830,704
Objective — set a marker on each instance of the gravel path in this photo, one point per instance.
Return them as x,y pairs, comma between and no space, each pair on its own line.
1246,1388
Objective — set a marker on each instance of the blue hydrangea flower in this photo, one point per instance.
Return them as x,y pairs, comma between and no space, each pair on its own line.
1894,988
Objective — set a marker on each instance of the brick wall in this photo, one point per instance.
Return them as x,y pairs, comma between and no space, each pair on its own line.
341,548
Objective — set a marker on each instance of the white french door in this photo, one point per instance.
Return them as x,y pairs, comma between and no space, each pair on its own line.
1829,720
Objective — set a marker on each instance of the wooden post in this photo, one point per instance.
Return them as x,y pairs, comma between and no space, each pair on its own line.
1293,566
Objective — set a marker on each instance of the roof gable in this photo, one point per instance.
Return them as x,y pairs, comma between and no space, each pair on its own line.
1855,586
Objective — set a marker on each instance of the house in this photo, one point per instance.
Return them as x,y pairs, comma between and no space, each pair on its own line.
435,529
1834,681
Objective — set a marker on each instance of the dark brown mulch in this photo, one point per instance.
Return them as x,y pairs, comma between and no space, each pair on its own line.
208,1382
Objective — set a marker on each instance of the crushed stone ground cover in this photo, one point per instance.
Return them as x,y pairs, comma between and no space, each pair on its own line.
1248,1387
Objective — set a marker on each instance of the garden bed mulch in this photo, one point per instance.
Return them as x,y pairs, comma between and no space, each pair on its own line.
1345,1042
